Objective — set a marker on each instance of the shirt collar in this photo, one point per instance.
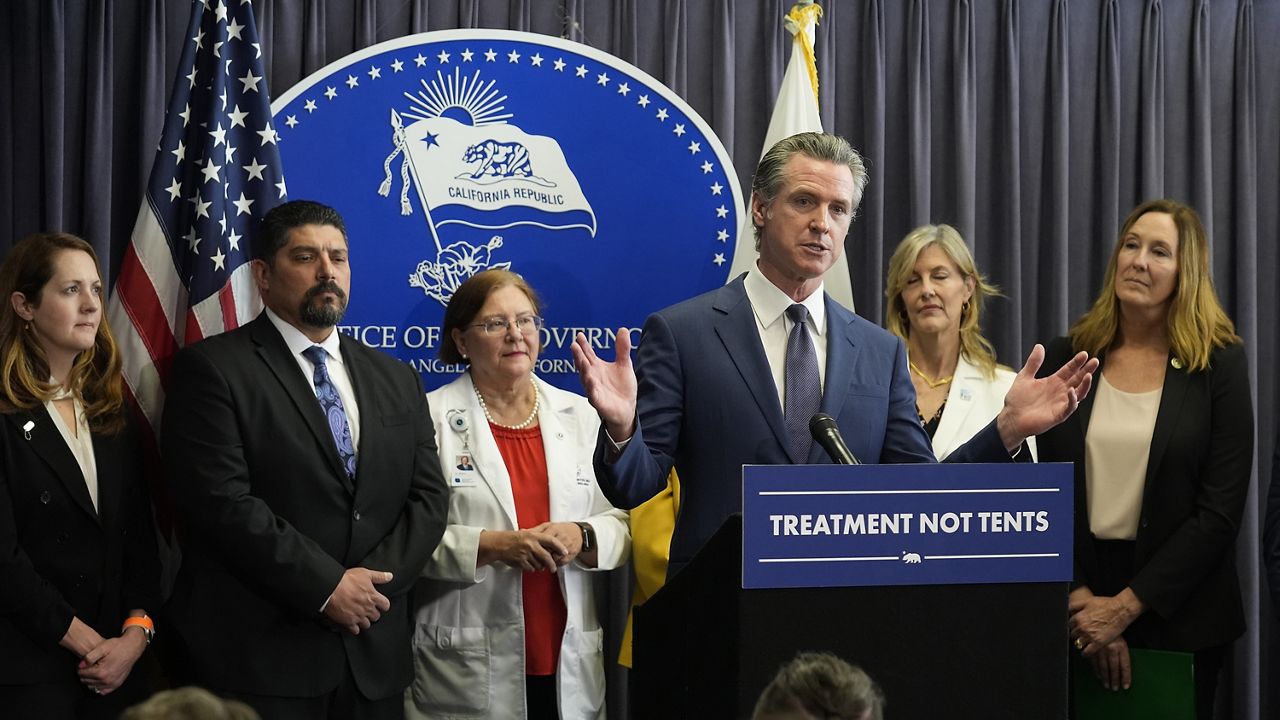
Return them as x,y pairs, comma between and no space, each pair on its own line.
298,342
770,304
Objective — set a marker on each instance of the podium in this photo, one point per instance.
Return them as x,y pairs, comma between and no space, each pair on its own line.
705,647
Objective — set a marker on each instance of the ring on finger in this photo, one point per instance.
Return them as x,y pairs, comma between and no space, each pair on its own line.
1079,643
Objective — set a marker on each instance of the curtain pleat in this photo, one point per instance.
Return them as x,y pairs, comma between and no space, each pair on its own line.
1005,221
965,82
53,106
676,46
1110,141
919,137
1151,107
365,27
95,183
1242,269
1199,149
1046,259
868,239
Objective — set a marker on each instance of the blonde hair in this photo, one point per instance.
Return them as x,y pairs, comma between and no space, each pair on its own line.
24,368
1195,324
973,346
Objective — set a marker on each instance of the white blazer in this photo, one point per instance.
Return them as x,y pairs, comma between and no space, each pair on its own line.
973,401
468,638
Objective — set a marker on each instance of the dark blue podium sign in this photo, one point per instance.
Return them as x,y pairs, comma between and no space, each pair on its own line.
943,524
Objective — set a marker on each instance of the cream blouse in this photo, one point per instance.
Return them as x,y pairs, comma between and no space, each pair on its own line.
1116,449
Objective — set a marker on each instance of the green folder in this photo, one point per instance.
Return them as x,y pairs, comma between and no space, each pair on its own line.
1162,688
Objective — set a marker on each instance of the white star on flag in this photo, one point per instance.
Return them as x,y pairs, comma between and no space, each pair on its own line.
467,55
250,82
254,169
397,65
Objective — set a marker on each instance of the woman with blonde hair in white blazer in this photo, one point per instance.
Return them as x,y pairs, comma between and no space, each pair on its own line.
935,295
506,624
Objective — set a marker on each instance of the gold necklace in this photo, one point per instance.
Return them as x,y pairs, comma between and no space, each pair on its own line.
928,380
533,414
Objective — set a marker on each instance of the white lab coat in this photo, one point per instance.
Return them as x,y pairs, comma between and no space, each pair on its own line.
468,638
973,401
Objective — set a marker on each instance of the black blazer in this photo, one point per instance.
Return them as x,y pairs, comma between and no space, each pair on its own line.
1198,471
271,519
59,557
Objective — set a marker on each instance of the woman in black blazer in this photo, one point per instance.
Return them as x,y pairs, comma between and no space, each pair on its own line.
78,563
1162,448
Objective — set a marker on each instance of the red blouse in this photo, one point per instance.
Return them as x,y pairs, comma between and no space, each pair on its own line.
544,610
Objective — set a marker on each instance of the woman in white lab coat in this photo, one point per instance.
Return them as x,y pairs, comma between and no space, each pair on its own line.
505,615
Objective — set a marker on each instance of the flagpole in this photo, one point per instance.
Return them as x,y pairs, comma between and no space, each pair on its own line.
401,141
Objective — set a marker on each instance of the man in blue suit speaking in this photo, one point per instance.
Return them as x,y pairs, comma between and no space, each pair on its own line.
732,377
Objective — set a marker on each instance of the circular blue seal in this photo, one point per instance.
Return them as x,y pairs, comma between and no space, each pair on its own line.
451,152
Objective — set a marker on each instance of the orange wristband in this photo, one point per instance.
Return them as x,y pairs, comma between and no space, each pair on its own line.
144,622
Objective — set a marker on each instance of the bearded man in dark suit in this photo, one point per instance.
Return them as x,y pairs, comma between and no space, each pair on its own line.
304,468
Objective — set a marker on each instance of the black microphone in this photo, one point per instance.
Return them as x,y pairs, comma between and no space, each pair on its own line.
824,430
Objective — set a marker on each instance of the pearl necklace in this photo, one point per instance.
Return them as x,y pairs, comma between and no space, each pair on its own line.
533,414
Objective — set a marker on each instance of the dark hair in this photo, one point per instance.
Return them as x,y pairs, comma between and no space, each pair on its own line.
24,367
823,686
273,231
467,301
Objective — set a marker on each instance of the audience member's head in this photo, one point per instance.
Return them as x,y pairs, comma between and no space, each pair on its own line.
189,703
820,686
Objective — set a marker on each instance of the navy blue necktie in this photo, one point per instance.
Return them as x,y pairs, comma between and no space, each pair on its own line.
803,384
334,413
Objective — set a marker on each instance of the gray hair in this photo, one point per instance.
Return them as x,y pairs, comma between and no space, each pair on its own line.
821,685
820,146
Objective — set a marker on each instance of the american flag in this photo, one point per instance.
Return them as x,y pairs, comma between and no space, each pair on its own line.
217,171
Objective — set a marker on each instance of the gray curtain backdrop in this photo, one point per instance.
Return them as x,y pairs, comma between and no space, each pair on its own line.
1031,125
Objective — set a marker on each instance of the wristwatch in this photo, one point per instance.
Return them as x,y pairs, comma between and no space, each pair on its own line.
588,536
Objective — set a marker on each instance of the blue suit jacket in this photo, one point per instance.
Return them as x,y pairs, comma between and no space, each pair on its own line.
708,405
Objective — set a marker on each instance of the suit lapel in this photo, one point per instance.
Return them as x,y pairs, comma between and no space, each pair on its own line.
735,325
1082,414
842,358
960,402
275,354
484,453
107,461
47,442
1171,400
562,472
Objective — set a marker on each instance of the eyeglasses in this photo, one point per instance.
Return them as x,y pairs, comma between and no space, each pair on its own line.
526,324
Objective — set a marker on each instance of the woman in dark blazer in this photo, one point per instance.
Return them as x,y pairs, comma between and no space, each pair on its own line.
1162,448
78,563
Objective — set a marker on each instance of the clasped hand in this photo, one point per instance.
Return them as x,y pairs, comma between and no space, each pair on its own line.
356,603
545,547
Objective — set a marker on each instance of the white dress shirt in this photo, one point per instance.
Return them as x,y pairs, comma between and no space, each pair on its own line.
338,374
769,304
80,442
